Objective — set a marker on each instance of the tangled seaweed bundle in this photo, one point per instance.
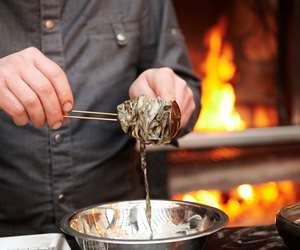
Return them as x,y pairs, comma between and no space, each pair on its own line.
148,120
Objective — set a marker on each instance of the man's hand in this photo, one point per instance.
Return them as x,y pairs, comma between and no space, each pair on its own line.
34,89
165,83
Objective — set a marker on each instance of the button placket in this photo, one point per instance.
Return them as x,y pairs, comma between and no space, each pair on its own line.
60,140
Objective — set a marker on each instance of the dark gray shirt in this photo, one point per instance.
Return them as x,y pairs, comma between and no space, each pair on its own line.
103,45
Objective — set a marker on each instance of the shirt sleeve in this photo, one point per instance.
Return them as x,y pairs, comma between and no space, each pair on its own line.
163,45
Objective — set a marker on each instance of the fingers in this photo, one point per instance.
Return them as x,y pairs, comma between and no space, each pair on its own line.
57,77
46,94
29,100
165,83
38,85
140,87
10,104
185,100
161,81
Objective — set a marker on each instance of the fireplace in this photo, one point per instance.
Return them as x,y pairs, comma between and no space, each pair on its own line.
244,53
243,155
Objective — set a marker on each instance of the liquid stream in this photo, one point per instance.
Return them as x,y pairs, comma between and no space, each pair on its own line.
144,169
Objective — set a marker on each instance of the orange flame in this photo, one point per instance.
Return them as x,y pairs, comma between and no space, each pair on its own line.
247,204
246,192
218,97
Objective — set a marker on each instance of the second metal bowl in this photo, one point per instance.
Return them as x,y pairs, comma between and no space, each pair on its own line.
288,225
123,225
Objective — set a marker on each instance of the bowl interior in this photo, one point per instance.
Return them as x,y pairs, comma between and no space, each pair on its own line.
127,220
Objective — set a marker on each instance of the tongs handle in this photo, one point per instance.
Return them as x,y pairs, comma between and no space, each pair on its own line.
92,115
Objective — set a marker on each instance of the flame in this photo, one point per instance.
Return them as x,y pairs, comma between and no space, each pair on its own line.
246,192
211,198
264,116
247,204
218,96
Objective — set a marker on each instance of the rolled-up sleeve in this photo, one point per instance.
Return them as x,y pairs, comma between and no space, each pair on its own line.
163,45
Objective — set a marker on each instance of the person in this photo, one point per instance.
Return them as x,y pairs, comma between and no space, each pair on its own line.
87,55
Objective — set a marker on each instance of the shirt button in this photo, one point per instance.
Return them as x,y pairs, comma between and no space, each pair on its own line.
58,138
61,197
121,38
174,31
49,24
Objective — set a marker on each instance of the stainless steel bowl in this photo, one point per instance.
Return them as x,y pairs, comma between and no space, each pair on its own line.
123,225
288,225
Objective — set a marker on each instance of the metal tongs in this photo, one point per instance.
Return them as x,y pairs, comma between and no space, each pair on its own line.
92,115
174,121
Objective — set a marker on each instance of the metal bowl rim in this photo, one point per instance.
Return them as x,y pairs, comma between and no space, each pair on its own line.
282,213
216,227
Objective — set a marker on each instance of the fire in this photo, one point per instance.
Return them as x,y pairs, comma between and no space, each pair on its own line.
246,192
218,96
247,204
211,198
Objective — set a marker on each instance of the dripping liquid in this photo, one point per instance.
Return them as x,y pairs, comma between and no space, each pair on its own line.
144,169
